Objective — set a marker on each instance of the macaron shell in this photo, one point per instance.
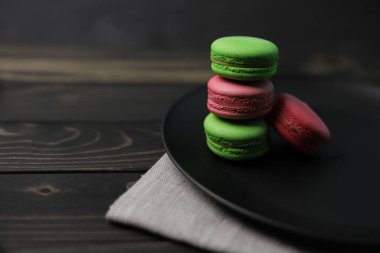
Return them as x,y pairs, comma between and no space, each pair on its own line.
235,130
245,50
227,87
298,124
239,100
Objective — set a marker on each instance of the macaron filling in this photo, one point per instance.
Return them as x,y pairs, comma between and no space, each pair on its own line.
237,153
232,100
240,73
236,144
262,108
243,70
258,62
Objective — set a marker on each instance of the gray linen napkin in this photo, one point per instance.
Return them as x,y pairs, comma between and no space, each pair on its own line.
163,201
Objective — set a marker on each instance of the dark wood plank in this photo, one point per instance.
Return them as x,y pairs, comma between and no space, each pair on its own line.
65,213
86,102
100,246
100,66
78,234
56,195
55,229
79,147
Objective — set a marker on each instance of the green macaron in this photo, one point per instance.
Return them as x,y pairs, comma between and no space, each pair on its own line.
236,139
244,58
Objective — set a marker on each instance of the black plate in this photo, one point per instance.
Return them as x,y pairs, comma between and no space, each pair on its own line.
334,195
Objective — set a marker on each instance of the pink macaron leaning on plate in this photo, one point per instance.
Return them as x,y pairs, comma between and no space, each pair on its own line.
298,124
239,100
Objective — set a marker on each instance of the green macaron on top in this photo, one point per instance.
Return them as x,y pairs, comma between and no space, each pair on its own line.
244,51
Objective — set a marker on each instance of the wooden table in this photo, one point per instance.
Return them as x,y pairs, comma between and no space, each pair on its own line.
76,127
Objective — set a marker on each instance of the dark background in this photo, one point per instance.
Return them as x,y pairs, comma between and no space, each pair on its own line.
331,32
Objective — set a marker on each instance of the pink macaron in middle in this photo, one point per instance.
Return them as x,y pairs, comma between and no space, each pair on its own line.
239,100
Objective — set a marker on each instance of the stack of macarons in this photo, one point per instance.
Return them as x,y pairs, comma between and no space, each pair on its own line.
239,96
240,101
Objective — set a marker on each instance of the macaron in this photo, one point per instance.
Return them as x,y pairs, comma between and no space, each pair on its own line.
298,124
238,139
244,58
239,100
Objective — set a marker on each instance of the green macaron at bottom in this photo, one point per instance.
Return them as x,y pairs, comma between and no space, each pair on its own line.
237,154
236,139
243,73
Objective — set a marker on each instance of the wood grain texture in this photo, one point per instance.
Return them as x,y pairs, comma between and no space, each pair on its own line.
94,246
54,147
65,213
87,102
102,66
60,195
51,125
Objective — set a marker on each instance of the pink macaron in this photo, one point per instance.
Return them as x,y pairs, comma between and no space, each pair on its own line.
298,124
239,100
